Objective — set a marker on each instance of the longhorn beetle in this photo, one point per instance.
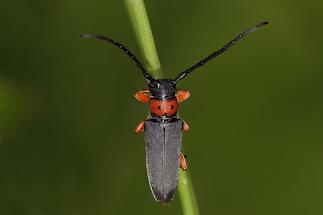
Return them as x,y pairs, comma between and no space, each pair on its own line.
163,128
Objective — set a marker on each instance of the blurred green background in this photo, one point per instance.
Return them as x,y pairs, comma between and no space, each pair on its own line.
67,113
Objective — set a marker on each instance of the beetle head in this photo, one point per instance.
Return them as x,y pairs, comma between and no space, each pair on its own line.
162,88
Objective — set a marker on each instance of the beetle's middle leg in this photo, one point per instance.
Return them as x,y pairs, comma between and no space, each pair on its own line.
182,162
140,127
186,128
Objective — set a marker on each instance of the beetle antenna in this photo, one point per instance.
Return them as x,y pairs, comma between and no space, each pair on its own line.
148,77
220,51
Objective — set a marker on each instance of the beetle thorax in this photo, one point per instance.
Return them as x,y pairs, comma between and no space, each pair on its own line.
163,100
159,107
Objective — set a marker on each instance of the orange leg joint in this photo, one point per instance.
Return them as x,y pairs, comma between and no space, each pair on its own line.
142,96
140,128
182,95
182,162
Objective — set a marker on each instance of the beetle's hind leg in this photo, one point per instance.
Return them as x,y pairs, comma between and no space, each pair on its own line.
182,161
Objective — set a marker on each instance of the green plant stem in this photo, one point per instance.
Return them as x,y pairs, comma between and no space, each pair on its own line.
140,22
186,192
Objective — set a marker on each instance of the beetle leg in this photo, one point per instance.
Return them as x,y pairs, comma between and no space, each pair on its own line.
186,128
142,96
182,95
140,127
182,162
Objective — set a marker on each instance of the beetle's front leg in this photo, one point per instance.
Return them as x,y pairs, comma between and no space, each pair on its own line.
140,127
182,162
142,96
182,95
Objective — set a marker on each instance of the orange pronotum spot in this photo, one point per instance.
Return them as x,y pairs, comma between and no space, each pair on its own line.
163,108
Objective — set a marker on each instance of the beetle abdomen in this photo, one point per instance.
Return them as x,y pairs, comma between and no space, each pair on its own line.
163,146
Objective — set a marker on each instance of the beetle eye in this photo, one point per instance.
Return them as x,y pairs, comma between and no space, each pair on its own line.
159,107
172,107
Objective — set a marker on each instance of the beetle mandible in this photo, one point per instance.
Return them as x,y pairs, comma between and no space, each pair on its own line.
163,128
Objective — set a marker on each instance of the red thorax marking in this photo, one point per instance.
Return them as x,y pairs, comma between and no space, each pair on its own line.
163,107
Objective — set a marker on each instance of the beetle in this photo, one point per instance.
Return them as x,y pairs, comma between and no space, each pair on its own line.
163,129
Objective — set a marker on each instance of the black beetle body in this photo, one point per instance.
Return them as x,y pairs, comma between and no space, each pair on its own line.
163,147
